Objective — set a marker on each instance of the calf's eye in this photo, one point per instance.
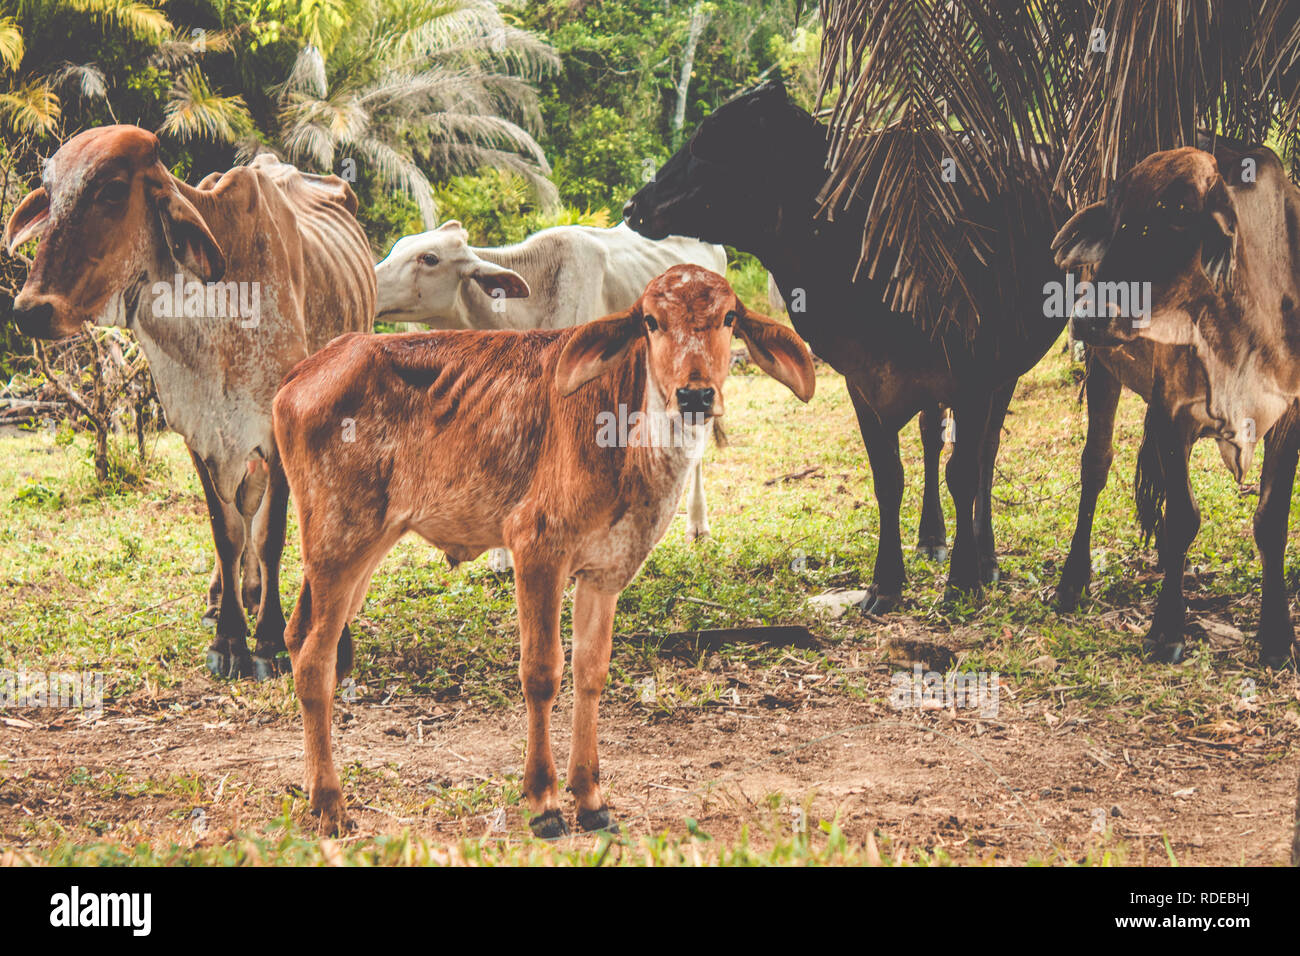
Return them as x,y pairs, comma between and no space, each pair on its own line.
428,259
729,319
650,323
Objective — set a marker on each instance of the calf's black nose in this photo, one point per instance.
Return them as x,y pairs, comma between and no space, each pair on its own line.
698,401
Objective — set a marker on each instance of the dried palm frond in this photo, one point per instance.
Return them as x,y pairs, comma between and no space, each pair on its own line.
937,99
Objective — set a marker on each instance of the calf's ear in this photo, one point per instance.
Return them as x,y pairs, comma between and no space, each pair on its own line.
1219,245
596,347
498,280
188,236
1083,240
778,352
28,220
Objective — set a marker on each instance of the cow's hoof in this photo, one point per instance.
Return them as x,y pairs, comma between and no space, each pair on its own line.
696,535
933,552
549,825
1280,659
499,561
226,666
593,821
962,593
1068,596
990,573
879,602
1164,652
269,668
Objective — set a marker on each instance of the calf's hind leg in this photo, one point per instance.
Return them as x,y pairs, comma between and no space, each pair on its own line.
1103,390
593,632
1276,635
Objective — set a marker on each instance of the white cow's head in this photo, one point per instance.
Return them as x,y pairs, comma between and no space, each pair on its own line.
420,280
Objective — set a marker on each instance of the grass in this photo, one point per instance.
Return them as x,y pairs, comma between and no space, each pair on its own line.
114,582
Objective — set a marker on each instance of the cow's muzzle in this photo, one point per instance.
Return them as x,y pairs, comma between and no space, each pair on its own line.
35,320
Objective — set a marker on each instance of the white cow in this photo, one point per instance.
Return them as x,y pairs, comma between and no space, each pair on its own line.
562,276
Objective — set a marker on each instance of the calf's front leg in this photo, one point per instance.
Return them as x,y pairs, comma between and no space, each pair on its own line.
539,591
593,634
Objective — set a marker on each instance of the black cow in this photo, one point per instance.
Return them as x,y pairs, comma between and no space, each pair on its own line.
749,178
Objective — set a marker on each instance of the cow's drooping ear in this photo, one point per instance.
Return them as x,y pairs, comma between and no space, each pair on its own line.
28,220
187,235
1083,240
596,347
492,277
778,352
1218,249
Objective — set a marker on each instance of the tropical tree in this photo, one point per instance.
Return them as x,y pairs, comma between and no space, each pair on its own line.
413,91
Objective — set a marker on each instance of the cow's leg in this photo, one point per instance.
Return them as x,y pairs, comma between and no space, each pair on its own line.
881,441
1276,635
539,592
963,473
988,556
1103,391
697,516
214,588
593,632
271,518
932,536
228,653
1166,641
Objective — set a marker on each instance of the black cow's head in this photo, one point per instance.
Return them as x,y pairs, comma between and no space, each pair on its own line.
748,163
1170,223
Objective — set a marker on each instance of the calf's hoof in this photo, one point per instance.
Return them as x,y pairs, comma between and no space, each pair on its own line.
209,619
549,825
329,807
601,820
933,552
1164,652
695,535
879,601
499,561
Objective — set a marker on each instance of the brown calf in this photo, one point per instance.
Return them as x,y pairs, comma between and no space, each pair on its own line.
476,440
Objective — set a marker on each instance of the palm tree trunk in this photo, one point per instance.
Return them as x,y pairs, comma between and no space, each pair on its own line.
699,20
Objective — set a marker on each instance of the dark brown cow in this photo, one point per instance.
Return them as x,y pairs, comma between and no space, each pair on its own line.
476,440
126,243
1215,241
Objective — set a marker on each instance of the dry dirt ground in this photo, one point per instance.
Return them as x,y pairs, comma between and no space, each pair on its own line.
1045,780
